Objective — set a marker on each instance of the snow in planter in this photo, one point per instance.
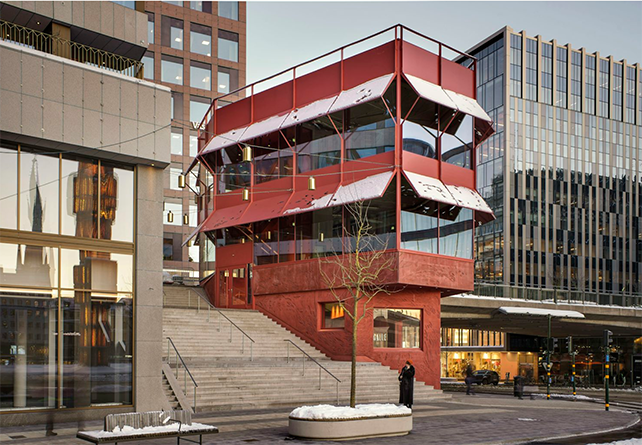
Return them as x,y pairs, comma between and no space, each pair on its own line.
325,412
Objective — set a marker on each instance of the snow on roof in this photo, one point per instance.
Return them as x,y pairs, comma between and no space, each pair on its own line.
513,310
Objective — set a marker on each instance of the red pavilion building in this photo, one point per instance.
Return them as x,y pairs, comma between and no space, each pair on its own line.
395,124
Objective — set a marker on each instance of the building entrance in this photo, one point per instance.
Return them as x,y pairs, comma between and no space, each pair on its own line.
234,287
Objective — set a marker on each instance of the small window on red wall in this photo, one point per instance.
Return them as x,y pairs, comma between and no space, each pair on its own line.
333,316
397,328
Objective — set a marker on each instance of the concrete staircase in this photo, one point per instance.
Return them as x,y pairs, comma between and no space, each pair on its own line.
230,375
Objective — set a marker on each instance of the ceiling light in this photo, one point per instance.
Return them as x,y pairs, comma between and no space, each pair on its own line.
177,39
206,79
206,42
222,86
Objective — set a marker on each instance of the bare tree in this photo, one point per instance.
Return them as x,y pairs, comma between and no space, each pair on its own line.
355,277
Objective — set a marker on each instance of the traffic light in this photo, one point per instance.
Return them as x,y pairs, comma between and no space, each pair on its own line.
555,344
608,337
569,344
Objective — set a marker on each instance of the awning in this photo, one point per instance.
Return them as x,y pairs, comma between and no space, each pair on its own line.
434,93
223,140
454,195
195,232
371,187
366,92
516,310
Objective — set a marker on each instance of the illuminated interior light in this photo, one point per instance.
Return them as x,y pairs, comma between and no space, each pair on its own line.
247,153
222,86
177,39
321,237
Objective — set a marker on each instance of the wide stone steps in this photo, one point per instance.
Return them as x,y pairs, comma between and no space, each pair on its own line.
227,379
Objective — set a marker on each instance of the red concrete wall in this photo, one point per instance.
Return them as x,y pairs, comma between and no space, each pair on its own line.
301,312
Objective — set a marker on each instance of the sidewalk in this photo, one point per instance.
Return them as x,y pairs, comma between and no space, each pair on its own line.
481,419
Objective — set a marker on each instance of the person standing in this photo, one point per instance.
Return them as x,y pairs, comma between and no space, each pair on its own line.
469,380
406,385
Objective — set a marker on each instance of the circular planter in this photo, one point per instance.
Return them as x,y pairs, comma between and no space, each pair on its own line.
343,429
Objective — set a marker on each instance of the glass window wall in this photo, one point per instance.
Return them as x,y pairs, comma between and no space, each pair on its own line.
228,79
369,130
172,70
201,39
172,33
456,232
318,145
176,146
228,45
201,6
457,149
198,107
150,28
228,10
397,328
9,188
318,234
39,181
201,75
148,65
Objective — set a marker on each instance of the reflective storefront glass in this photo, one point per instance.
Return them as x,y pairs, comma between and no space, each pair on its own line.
66,313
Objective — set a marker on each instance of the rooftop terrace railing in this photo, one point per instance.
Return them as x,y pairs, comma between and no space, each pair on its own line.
394,32
566,296
40,41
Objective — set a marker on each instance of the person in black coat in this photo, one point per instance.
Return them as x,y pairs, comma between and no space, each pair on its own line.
406,386
469,380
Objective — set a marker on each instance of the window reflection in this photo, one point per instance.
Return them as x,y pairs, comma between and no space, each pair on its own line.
229,10
318,234
148,63
397,328
333,316
318,145
266,239
455,232
369,130
98,271
9,188
380,215
419,221
38,192
97,349
121,215
457,149
419,140
233,173
80,195
201,75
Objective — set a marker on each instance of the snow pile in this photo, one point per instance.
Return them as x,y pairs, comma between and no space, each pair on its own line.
128,430
326,412
621,442
526,419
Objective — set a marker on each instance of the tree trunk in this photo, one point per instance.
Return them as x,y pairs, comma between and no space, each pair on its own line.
353,369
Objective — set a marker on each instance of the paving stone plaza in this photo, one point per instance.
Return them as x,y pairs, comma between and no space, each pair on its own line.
481,419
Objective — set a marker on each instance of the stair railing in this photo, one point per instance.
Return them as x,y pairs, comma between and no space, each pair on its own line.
321,367
178,361
210,308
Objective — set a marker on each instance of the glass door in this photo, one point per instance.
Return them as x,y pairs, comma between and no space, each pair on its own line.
233,287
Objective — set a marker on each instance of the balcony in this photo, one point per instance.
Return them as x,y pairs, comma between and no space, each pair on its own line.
40,41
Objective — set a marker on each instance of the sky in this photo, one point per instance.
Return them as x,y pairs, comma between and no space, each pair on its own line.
283,34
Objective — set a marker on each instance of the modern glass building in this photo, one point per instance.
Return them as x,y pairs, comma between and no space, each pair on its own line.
83,141
562,173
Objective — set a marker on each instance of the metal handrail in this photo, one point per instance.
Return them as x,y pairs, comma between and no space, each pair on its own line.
51,44
317,363
210,306
186,371
398,28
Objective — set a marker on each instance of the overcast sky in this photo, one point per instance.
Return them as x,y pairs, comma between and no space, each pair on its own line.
283,34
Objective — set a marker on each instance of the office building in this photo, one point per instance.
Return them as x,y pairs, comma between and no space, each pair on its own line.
83,144
562,175
198,50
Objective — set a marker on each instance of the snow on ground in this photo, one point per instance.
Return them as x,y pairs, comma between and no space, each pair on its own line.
621,442
345,412
128,430
565,396
526,419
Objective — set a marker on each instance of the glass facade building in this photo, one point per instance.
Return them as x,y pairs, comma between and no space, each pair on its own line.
562,173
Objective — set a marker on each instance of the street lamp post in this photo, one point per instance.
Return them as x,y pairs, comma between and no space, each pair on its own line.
548,360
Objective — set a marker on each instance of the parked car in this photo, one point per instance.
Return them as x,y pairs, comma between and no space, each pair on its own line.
486,377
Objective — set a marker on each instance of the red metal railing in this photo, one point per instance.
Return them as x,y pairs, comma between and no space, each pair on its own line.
398,34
